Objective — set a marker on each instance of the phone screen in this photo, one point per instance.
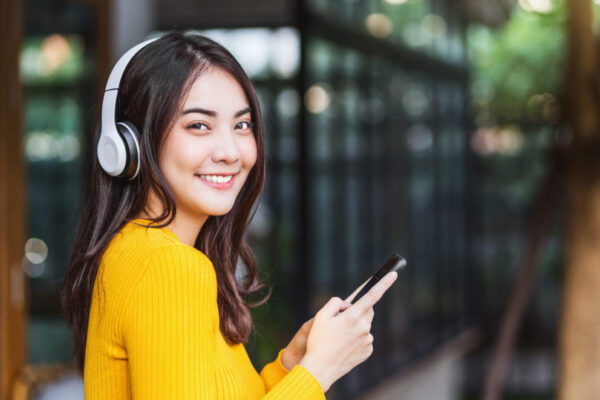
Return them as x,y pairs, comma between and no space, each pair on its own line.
394,263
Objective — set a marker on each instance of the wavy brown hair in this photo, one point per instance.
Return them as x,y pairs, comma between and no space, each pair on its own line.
151,93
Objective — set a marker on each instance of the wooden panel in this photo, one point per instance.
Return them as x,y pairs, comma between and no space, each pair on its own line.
12,200
194,14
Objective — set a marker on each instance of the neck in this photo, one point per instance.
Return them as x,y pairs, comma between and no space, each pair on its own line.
186,226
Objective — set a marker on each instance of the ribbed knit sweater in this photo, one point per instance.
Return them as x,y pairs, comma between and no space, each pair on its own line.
153,329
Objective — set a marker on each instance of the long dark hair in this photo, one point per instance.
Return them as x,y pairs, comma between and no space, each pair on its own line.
152,91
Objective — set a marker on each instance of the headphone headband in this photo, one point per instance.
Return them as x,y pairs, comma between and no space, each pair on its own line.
115,75
113,153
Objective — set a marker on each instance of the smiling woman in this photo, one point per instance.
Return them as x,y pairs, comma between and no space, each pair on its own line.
151,293
208,153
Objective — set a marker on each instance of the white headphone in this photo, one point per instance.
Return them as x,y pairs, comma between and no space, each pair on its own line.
118,147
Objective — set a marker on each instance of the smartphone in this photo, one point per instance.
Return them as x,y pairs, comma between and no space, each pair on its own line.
394,263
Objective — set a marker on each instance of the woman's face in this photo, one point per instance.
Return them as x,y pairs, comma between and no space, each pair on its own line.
210,150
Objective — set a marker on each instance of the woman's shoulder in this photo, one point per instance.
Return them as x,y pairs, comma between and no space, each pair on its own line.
148,270
141,238
138,247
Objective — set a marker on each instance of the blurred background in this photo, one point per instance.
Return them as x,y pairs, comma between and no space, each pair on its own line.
461,134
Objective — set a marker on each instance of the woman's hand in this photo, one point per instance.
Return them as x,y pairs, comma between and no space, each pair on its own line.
296,348
339,338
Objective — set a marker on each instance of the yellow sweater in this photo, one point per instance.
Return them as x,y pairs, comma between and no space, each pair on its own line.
153,330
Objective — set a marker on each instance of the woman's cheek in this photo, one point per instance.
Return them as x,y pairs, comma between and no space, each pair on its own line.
251,153
187,152
178,157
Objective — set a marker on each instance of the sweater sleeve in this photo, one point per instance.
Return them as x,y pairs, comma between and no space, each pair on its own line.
169,328
282,383
297,384
273,372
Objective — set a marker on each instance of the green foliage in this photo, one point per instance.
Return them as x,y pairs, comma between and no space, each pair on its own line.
522,59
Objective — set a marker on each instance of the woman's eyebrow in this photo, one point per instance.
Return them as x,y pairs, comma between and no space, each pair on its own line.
242,112
211,113
200,111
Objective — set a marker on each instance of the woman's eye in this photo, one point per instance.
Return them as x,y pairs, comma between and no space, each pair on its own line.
198,125
245,125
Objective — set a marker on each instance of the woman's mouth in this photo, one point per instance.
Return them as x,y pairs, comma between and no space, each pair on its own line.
217,181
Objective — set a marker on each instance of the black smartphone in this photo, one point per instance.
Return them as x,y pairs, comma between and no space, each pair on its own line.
394,263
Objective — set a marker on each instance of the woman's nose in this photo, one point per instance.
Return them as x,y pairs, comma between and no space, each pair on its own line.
226,149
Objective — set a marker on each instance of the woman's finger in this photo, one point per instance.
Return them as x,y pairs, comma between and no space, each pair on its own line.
308,324
353,295
375,293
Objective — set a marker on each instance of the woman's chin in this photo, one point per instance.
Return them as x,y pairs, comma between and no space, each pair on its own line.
217,211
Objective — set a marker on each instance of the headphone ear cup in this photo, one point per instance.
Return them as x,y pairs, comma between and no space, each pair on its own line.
131,138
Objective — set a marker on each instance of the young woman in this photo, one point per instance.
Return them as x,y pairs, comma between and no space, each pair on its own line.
151,292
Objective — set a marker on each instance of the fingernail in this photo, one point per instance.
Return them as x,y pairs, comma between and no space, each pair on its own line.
393,276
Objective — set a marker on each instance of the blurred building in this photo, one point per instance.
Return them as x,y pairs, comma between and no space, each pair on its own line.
366,111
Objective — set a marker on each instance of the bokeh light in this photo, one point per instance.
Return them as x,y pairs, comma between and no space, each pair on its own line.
379,25
317,98
415,101
288,103
52,58
497,140
43,146
419,138
412,34
55,51
36,250
433,26
541,6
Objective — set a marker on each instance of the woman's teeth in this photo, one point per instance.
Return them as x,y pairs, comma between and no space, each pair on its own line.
216,178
